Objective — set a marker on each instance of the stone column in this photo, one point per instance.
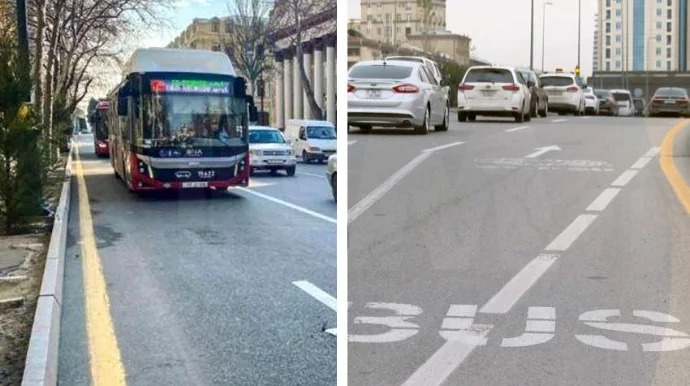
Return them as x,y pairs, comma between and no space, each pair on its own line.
318,74
279,106
287,85
330,79
296,89
306,49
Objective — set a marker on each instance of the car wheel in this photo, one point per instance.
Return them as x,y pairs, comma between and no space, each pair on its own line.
290,170
544,112
446,119
365,129
519,117
462,117
533,110
472,117
334,187
424,128
528,117
305,157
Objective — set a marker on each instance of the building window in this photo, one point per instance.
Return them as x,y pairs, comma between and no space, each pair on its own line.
619,38
397,30
409,17
659,1
658,64
608,15
618,51
388,18
378,18
608,3
408,30
408,6
378,31
658,38
668,66
370,18
215,27
668,52
658,50
668,40
659,12
608,40
608,53
608,66
398,17
669,14
608,27
618,64
618,25
670,3
658,25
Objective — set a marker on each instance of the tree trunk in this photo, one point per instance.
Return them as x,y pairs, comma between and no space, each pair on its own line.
49,81
38,54
308,90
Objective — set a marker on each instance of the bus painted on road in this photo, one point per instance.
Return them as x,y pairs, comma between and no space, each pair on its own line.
179,120
99,125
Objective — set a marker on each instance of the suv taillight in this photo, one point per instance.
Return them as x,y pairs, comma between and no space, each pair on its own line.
573,89
465,87
350,88
406,89
512,87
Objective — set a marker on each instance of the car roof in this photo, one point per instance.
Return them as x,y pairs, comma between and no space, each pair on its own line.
492,67
382,62
558,74
263,128
403,57
621,91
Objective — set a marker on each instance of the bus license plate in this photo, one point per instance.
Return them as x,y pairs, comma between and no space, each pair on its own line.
200,184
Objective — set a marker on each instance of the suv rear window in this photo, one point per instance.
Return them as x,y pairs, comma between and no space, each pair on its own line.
602,93
621,97
557,81
670,92
379,71
489,75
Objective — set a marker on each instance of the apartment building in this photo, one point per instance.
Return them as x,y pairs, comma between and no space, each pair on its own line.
595,48
642,35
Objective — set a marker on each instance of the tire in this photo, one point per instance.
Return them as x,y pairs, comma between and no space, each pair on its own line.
544,112
424,128
334,187
519,117
472,117
462,117
290,171
365,129
446,119
528,117
208,193
533,110
305,157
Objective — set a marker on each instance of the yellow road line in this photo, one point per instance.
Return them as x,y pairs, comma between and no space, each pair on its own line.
668,166
104,353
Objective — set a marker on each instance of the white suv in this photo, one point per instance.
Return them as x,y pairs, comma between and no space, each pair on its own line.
493,91
565,96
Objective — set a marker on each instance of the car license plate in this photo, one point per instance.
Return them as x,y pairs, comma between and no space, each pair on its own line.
374,94
669,102
200,184
275,161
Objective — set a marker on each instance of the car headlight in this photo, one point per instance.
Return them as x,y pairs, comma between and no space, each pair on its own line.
313,148
290,152
255,153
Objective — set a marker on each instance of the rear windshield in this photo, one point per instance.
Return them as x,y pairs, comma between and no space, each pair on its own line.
489,75
670,92
558,81
602,93
380,71
527,76
621,97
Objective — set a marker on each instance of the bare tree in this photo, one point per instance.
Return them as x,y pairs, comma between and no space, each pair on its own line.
428,14
301,20
244,38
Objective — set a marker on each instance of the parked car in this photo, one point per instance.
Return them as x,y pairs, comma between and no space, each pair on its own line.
607,105
669,100
494,91
395,94
331,174
565,96
591,101
639,106
624,101
539,101
268,150
313,140
431,65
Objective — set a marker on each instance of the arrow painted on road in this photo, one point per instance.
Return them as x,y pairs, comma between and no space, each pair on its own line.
542,150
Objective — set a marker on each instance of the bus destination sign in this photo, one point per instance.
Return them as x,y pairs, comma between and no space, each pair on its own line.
191,86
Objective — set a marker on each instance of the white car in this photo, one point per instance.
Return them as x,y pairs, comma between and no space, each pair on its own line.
313,140
493,91
268,150
332,175
565,96
431,65
591,101
624,102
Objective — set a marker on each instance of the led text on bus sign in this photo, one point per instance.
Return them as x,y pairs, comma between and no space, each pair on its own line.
193,86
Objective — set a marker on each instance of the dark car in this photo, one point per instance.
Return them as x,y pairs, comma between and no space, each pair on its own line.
607,104
639,105
670,100
540,101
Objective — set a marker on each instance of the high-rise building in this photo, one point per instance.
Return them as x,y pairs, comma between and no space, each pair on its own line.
642,35
595,54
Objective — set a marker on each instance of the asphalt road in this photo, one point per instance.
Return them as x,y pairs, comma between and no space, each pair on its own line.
552,252
201,291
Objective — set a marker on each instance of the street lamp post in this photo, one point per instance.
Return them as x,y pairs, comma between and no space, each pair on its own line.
531,39
543,33
579,27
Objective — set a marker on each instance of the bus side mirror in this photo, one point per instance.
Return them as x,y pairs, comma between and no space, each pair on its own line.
240,87
253,114
122,106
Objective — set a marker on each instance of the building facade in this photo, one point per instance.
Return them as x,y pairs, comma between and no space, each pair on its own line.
642,35
315,47
392,21
595,48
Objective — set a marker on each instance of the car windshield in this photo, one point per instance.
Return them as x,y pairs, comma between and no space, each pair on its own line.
671,92
527,76
320,132
380,71
621,97
265,136
489,75
194,120
556,81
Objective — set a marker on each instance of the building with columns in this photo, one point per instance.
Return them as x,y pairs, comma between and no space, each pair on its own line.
317,63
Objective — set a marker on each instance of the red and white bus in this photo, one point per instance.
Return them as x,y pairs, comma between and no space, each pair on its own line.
180,120
99,125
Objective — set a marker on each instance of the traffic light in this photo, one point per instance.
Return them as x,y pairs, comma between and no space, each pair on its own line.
577,70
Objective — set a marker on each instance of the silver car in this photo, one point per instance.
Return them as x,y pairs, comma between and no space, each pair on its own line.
395,94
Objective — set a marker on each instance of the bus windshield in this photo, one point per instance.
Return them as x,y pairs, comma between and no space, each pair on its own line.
193,120
101,127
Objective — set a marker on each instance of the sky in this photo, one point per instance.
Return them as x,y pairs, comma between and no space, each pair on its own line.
500,29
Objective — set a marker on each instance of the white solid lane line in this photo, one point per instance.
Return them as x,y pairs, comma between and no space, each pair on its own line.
559,120
504,300
624,178
640,163
446,146
318,294
601,202
289,205
516,129
351,142
444,361
563,241
652,152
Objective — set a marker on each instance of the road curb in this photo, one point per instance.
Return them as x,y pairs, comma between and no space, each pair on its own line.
41,365
677,174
